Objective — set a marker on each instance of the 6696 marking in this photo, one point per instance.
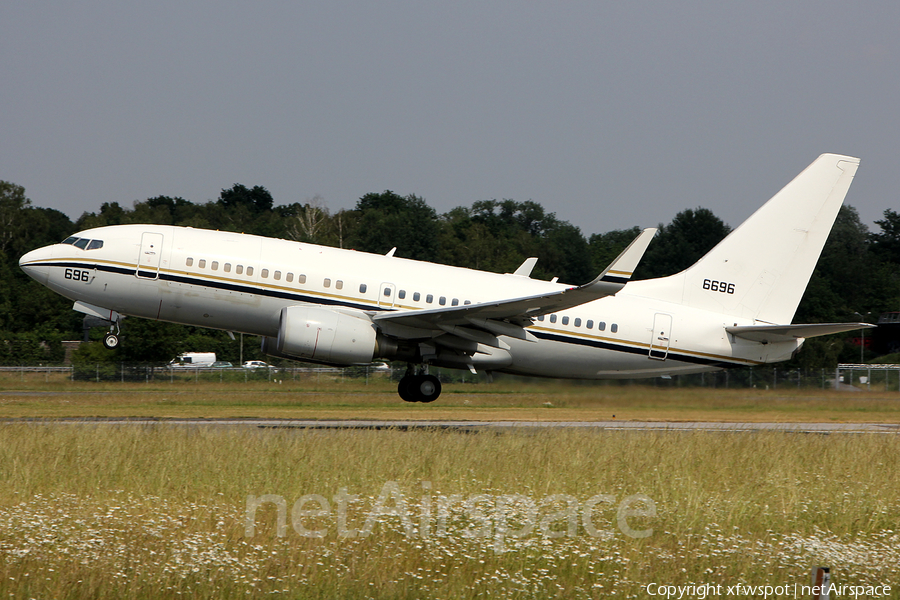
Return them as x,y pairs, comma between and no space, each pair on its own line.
718,286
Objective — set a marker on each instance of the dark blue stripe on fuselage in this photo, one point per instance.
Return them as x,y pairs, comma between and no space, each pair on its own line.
629,349
249,289
220,285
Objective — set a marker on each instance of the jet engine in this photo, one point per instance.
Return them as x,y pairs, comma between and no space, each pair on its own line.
323,335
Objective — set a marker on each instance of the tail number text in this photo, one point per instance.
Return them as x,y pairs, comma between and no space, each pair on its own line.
718,286
77,275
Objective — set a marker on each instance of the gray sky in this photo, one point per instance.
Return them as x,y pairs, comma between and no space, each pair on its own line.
610,114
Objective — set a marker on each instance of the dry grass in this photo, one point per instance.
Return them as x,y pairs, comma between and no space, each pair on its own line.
332,398
159,512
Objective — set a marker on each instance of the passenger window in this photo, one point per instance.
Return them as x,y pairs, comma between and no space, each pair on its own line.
301,278
290,277
362,288
429,299
577,322
387,292
82,243
189,262
467,302
401,294
327,282
540,317
553,318
69,240
265,273
202,263
95,244
277,275
614,328
417,296
565,320
239,269
442,301
601,326
339,284
590,324
215,265
227,267
249,271
454,302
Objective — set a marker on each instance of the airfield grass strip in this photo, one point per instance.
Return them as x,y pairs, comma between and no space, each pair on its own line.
160,512
354,399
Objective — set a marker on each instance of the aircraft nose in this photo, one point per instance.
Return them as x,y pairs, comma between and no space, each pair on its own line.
35,264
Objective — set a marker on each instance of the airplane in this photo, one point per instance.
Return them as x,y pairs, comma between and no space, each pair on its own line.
732,308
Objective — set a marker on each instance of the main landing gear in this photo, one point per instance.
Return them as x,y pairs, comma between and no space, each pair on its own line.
419,387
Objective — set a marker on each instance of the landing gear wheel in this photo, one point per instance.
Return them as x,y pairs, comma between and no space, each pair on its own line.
404,388
427,388
111,341
419,388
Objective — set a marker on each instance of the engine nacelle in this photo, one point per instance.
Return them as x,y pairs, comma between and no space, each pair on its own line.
325,335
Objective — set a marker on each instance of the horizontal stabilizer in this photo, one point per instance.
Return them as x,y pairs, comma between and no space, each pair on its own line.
771,334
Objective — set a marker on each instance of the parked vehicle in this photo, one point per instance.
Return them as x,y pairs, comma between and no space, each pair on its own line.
193,360
257,364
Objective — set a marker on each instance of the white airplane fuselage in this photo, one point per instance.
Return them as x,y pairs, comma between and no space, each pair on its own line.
734,307
171,285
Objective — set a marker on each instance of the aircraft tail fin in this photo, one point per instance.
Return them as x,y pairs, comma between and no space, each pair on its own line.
761,269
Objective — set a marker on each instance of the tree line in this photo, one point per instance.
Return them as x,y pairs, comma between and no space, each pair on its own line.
856,278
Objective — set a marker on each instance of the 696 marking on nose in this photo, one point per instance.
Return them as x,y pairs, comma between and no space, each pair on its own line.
78,275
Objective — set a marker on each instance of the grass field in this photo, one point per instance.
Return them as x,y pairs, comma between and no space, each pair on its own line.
169,512
34,396
162,512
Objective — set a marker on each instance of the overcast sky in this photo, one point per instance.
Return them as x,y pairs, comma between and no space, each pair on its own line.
610,114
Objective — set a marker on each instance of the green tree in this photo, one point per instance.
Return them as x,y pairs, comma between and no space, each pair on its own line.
389,220
257,199
12,203
886,243
678,245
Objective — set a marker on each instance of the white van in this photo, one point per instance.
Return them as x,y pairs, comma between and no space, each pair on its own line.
193,360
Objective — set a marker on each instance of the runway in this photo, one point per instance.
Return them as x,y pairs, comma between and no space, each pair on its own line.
471,426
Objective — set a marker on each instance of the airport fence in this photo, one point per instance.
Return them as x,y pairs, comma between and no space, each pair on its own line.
846,377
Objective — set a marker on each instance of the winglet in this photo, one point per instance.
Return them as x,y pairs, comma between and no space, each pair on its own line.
620,270
526,267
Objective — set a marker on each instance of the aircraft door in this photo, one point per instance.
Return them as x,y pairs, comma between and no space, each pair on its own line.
660,336
149,256
386,293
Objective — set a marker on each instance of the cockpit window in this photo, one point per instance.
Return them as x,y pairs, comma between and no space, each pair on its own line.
83,243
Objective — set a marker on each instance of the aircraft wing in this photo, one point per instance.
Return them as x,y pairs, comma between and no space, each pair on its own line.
788,333
508,316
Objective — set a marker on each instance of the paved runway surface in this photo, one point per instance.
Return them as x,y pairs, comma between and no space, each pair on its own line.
485,425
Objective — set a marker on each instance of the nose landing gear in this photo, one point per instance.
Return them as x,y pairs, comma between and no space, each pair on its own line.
111,340
419,386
